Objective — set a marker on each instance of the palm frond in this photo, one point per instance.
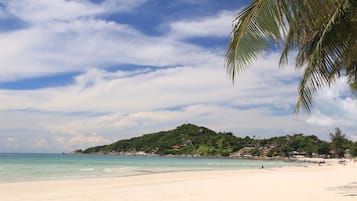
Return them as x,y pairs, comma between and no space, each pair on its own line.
258,25
323,32
323,55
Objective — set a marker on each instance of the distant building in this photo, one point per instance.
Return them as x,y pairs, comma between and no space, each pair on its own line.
347,154
296,154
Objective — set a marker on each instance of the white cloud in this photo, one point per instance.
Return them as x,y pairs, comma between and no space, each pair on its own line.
9,143
219,25
132,103
31,131
70,140
40,11
102,106
42,144
335,107
319,119
101,91
81,44
354,138
63,39
161,100
147,101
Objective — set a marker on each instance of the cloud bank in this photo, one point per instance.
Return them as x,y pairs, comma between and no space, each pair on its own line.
127,83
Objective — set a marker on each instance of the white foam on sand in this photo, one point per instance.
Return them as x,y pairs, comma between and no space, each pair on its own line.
87,169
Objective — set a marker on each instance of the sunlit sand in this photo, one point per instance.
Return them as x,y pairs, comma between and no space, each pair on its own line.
331,181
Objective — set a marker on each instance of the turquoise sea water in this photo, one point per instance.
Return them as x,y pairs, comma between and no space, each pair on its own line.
34,167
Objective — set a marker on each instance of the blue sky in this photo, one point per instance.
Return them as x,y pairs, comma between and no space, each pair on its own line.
81,73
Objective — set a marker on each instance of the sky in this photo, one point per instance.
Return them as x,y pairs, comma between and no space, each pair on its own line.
79,73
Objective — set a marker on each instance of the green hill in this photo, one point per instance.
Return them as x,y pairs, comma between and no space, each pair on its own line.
189,139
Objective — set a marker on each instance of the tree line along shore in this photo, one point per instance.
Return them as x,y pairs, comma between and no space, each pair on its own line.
195,141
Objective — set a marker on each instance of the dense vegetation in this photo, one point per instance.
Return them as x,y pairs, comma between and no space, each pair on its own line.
190,139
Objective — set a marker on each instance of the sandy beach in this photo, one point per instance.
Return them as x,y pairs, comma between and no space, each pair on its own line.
329,182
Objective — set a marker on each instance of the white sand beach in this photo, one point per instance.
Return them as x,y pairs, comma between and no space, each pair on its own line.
331,182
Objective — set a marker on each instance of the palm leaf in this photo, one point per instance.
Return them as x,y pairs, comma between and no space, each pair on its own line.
258,25
323,32
323,56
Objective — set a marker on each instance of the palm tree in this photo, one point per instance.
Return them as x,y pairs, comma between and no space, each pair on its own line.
322,31
339,142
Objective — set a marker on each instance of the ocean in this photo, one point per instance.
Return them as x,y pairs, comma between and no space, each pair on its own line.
15,167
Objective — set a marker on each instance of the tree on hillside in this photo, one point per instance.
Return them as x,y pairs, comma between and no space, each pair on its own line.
322,31
323,148
339,142
353,149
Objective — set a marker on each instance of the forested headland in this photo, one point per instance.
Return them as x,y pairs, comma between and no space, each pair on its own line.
193,140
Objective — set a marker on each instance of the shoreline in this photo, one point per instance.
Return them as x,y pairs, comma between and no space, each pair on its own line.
92,166
152,172
275,158
327,182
